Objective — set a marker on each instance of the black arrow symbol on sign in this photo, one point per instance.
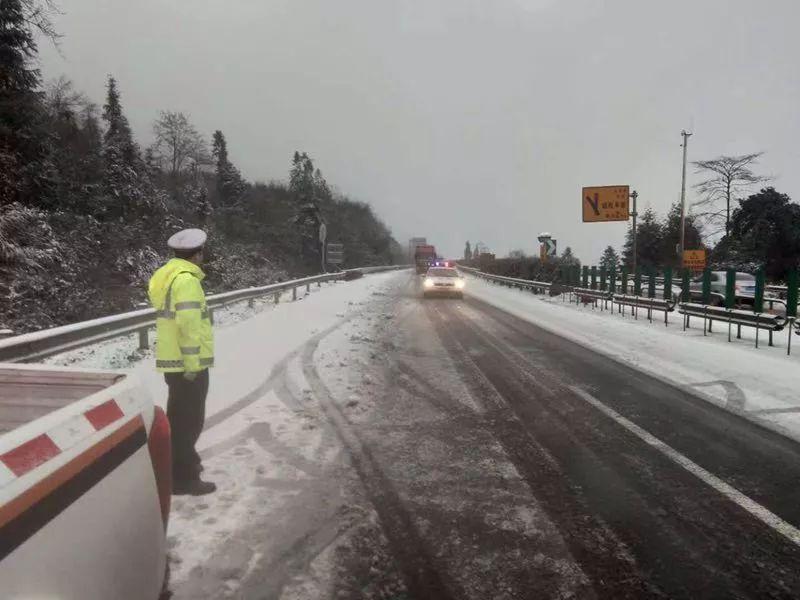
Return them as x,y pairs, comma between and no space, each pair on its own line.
595,204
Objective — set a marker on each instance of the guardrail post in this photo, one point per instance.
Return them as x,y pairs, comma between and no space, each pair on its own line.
308,288
210,315
251,303
730,319
277,297
144,342
294,293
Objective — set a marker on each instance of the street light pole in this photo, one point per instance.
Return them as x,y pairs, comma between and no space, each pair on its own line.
686,136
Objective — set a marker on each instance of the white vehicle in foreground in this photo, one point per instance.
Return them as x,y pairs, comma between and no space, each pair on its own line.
443,281
85,486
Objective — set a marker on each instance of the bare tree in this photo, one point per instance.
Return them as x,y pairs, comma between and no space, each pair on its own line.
517,254
178,146
730,177
65,102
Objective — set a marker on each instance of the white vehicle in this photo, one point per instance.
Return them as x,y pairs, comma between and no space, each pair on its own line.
85,486
443,281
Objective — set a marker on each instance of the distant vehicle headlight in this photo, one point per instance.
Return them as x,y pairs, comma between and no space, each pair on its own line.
428,282
460,284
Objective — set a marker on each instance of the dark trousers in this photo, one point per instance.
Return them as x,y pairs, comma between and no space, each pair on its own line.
186,411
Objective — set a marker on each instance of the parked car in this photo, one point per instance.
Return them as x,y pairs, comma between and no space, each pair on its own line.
744,286
85,485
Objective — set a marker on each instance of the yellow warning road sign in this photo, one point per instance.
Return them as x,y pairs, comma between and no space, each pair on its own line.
606,203
694,259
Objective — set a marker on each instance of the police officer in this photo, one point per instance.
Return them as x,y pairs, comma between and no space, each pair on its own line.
184,353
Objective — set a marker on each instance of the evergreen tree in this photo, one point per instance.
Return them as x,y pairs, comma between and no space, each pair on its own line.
610,258
230,184
321,190
467,252
765,231
301,177
118,139
25,174
672,236
649,241
568,259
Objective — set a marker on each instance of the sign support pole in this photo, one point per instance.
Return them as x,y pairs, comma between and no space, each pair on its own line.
634,195
685,135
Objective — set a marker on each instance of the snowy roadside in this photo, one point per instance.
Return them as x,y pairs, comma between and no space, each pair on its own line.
760,384
265,444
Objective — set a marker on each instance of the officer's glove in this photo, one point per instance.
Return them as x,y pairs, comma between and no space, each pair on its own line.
190,376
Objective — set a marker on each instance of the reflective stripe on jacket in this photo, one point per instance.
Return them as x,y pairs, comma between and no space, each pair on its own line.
185,341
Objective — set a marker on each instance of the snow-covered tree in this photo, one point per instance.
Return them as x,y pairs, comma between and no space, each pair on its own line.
230,183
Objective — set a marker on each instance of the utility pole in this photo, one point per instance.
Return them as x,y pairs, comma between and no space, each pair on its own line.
634,195
686,136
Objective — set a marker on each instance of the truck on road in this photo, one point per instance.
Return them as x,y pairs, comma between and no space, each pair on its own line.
424,257
85,485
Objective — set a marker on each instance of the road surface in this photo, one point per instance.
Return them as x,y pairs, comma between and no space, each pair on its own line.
464,453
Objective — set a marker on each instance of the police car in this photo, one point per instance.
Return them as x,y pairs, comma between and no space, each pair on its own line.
443,281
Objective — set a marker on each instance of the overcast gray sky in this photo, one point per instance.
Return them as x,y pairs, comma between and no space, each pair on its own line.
459,119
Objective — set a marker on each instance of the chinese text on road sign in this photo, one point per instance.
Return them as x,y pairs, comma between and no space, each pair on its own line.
605,203
694,259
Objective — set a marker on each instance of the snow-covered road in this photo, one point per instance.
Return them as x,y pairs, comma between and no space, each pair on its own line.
370,444
760,384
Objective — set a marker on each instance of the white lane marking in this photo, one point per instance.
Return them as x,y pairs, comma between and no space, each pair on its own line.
731,493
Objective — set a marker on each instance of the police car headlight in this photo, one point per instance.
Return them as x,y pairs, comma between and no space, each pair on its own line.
428,282
460,284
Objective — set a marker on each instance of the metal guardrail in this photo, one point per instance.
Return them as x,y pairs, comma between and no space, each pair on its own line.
538,286
48,342
647,303
709,314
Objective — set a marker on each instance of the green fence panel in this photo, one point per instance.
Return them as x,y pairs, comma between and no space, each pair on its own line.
603,277
637,282
667,283
651,283
585,282
706,286
758,301
730,288
791,293
624,282
594,278
686,285
612,280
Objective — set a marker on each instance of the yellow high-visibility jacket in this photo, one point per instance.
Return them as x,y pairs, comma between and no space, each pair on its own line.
185,342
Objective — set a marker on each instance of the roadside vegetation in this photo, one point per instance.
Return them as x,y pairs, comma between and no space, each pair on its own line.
85,210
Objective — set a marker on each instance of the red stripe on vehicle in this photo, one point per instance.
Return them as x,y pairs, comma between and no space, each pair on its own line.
30,455
104,414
